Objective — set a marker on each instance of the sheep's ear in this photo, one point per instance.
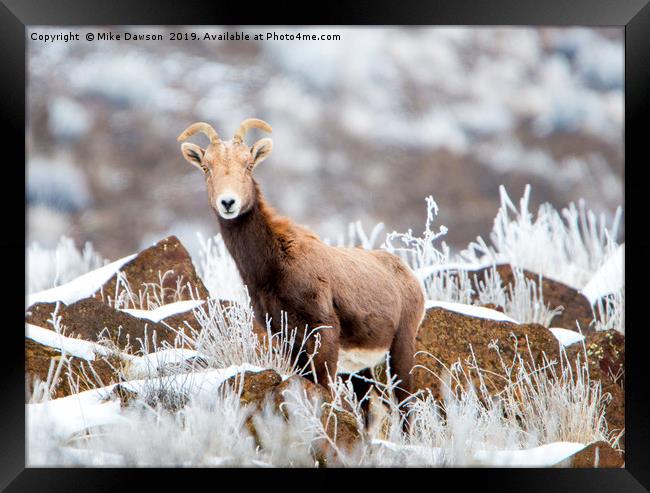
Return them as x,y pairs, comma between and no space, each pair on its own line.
193,154
261,150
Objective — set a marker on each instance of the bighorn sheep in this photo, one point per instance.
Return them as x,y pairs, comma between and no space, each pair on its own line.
370,299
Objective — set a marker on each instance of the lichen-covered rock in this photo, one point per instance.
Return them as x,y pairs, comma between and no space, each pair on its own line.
256,387
89,317
151,264
340,425
41,314
38,358
606,351
260,388
576,306
600,455
449,337
296,383
606,357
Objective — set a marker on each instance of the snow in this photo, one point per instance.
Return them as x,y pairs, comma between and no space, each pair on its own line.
543,456
165,311
154,363
566,336
86,457
81,287
75,347
429,455
74,413
608,278
471,310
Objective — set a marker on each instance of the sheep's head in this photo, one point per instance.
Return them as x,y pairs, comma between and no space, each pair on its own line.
228,165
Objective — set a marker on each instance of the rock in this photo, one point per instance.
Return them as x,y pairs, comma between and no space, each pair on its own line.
606,357
340,425
615,410
41,314
598,454
37,365
87,318
344,431
256,387
556,294
268,386
606,352
312,390
152,263
447,335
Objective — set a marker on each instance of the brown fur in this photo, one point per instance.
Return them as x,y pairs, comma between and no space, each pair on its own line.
368,299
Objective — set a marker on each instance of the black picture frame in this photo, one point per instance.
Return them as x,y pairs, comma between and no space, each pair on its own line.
632,15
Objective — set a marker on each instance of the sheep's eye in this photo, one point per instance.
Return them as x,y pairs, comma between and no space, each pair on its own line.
205,169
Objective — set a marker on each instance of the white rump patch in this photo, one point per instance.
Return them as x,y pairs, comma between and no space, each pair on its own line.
353,360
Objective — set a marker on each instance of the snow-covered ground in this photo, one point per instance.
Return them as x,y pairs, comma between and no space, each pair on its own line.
90,428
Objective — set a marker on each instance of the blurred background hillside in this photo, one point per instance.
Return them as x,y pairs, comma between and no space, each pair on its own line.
364,127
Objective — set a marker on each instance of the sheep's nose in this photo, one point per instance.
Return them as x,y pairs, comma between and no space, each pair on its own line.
227,204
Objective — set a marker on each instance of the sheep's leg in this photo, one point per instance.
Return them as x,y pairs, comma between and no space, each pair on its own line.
401,362
325,357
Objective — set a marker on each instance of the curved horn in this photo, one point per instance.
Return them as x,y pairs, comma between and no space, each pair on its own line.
206,128
251,123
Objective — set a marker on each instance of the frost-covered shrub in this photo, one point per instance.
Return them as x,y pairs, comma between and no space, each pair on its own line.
452,285
203,433
357,236
420,252
449,277
218,270
609,312
227,338
150,295
540,403
568,246
523,299
49,268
